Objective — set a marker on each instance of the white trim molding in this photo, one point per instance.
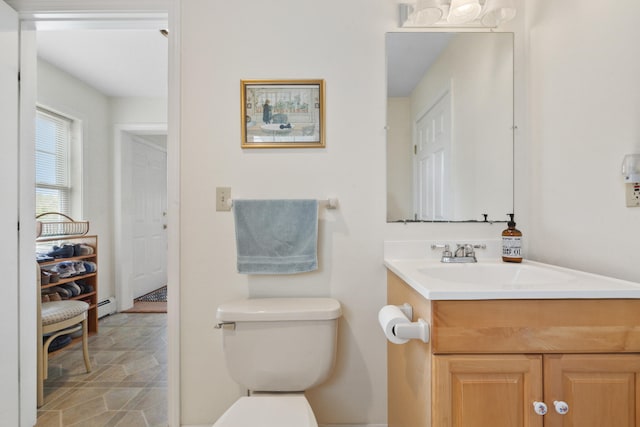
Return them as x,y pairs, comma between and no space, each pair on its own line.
97,6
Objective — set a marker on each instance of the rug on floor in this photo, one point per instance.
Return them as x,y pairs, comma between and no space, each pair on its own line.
159,295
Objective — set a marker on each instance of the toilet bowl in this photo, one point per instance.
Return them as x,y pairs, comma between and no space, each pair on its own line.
286,410
277,348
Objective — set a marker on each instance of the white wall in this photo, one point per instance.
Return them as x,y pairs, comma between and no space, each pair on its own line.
138,110
343,43
585,115
67,95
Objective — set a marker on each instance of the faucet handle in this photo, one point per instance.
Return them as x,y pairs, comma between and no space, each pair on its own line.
446,249
469,248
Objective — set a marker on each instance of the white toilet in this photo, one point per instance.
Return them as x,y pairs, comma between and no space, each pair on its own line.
277,348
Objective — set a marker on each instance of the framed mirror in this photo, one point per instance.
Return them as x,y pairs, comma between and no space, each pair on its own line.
449,126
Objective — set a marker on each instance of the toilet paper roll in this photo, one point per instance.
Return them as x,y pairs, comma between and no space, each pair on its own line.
389,316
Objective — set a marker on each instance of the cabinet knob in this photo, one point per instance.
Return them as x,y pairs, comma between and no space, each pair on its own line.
540,408
561,407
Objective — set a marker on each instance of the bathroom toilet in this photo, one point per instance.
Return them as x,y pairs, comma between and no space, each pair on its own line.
277,348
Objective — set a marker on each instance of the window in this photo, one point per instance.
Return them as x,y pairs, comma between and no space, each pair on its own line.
53,140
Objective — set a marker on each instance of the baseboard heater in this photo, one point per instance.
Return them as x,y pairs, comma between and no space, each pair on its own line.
106,307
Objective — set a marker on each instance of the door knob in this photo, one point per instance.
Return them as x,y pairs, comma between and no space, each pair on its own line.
561,407
540,408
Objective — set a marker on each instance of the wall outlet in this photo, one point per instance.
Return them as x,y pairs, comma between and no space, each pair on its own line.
223,199
632,194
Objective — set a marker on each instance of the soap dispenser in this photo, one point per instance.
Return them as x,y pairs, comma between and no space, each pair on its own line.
511,242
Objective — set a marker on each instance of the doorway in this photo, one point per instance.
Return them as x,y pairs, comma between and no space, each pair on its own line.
98,14
115,80
141,212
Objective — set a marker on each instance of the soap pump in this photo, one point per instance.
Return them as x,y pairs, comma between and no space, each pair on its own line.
511,242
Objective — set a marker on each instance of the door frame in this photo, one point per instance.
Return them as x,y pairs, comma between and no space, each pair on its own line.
33,13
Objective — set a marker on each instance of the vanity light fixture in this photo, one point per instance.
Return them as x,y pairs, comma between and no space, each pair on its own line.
456,13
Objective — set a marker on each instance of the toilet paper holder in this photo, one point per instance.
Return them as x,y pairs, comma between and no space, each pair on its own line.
400,330
407,310
417,330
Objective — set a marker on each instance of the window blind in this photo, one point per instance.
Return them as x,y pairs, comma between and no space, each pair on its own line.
53,136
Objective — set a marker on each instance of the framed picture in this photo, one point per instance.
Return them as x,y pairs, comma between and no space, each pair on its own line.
282,113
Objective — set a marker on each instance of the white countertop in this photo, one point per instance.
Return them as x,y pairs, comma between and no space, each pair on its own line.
528,280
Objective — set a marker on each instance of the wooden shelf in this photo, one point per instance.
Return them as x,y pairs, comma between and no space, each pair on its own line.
58,260
46,244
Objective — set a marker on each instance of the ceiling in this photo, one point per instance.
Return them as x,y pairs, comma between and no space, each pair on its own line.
118,63
409,55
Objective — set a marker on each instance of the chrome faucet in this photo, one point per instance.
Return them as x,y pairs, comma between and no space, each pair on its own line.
464,252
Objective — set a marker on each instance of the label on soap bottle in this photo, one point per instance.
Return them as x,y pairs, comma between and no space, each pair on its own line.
511,246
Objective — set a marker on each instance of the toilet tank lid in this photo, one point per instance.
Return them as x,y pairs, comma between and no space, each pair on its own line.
278,309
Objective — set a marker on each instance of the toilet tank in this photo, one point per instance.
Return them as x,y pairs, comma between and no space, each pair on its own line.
280,344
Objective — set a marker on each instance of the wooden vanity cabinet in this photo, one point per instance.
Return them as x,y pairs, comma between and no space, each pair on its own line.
486,390
488,361
600,389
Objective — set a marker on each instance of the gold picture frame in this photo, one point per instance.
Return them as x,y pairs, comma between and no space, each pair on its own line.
282,113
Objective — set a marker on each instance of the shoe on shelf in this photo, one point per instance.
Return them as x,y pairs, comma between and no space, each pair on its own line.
65,269
86,288
54,276
43,258
79,266
51,294
45,277
86,249
73,288
66,251
90,267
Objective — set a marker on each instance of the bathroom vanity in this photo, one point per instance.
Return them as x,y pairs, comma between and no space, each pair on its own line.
525,350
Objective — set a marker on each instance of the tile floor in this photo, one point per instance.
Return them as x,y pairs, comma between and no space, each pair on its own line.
128,383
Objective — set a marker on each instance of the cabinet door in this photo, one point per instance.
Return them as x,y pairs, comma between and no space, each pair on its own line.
487,390
600,389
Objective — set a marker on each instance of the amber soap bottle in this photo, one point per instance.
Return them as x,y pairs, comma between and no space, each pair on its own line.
511,242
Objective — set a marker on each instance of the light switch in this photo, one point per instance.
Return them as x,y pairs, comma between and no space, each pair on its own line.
223,199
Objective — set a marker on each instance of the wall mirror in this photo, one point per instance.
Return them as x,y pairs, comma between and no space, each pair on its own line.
449,126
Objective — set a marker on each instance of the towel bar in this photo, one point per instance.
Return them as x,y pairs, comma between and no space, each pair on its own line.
330,203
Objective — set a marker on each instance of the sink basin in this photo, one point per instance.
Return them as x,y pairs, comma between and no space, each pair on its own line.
492,279
504,274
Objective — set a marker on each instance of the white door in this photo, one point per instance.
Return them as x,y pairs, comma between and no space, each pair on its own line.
149,217
9,366
432,161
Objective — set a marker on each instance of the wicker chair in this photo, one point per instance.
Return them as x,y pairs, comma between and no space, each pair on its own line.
58,318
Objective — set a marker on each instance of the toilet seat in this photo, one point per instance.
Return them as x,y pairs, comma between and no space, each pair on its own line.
275,410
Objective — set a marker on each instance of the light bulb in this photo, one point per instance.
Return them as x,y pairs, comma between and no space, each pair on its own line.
463,11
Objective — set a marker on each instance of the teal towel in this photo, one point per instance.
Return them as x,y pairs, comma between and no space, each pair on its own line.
276,236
